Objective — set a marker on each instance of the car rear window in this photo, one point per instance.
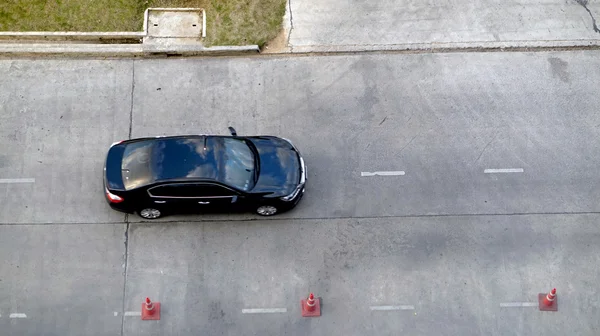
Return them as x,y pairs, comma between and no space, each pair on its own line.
135,168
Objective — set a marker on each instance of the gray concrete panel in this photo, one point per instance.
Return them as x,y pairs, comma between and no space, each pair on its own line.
58,118
454,271
443,119
64,279
314,24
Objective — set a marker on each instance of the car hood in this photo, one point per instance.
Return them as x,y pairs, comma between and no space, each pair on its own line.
279,166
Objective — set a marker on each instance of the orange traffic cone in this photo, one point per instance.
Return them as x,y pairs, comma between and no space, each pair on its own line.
150,310
311,306
548,302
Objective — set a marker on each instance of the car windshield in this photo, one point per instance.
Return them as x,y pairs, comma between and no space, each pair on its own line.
228,160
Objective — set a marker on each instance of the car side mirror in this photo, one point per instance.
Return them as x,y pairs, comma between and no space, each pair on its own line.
232,131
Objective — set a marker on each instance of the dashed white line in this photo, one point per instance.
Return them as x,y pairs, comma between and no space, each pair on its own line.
116,313
518,304
264,310
17,315
383,173
507,170
401,307
18,180
132,313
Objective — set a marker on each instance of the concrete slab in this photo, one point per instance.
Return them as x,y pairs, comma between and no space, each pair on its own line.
315,25
61,279
57,119
443,119
455,271
457,116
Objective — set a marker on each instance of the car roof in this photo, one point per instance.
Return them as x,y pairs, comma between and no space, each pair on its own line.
197,157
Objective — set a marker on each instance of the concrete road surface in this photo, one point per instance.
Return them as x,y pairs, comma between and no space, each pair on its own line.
316,25
444,189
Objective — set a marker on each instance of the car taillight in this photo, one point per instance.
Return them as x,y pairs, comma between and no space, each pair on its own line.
113,198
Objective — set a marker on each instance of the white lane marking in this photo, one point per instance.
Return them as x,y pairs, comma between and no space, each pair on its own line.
508,170
518,304
132,313
17,315
392,307
18,180
383,173
116,313
264,310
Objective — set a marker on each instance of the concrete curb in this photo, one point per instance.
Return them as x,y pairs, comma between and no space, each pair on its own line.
150,50
119,50
112,37
448,46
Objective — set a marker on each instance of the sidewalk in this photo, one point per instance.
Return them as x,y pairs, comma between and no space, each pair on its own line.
342,25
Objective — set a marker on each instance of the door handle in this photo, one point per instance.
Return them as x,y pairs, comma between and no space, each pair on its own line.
203,202
160,202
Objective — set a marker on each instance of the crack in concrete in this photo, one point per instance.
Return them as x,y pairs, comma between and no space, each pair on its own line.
291,26
411,140
486,147
584,4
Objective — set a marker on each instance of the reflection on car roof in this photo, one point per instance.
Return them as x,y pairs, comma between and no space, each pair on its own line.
224,159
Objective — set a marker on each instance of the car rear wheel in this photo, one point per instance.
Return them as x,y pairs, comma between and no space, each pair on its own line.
149,213
266,210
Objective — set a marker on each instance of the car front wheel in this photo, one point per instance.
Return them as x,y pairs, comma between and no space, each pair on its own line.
149,213
266,210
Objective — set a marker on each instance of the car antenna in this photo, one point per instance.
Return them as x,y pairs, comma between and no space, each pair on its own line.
232,131
205,142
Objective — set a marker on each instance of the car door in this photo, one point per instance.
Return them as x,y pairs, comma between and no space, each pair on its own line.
170,197
212,197
194,197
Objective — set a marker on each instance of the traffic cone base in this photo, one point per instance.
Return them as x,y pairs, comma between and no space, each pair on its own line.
542,303
316,311
153,314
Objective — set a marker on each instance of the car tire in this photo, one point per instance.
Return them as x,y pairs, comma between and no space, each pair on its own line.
149,213
267,210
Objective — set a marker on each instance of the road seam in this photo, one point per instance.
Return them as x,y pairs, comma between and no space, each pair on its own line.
126,257
282,219
132,95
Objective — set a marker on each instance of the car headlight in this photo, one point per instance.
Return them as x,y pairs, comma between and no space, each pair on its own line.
293,194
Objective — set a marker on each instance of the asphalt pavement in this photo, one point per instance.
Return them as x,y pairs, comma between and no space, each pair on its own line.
442,188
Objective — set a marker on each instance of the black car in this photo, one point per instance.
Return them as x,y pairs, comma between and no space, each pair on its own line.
204,173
